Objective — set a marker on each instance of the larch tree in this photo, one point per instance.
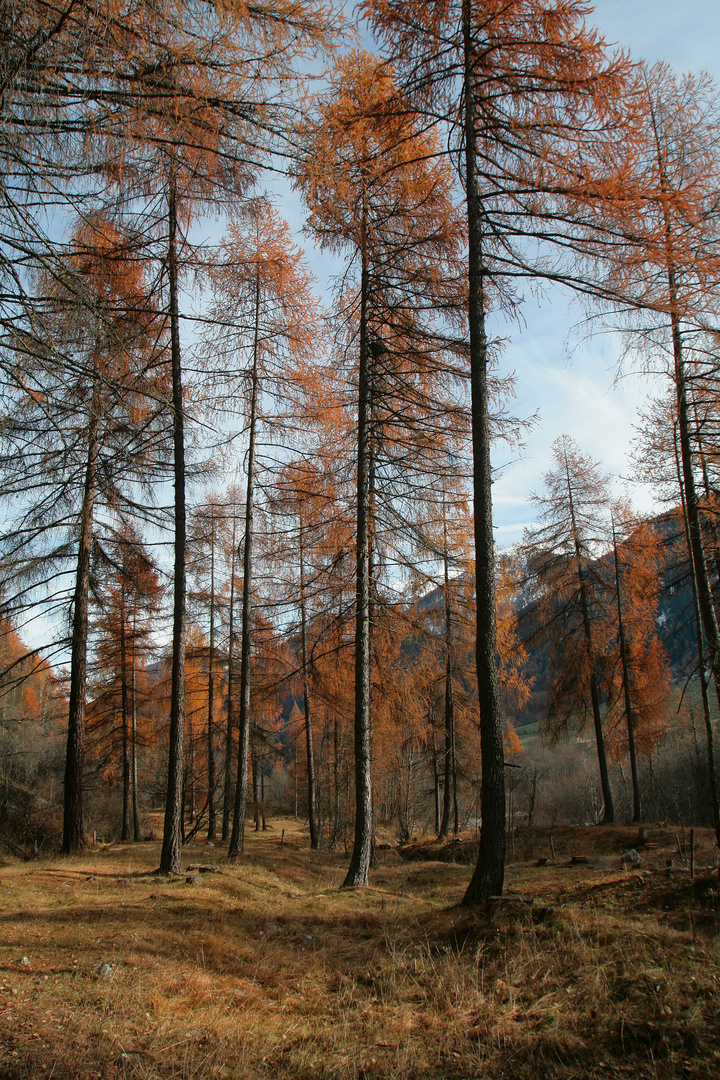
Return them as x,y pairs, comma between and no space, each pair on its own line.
665,273
527,91
85,374
198,107
376,194
562,552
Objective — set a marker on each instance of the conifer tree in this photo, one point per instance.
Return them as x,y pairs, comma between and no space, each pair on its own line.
562,552
527,92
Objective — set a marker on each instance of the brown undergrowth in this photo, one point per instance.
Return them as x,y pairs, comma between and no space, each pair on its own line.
267,969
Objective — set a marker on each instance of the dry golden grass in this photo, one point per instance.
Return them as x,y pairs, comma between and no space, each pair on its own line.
266,969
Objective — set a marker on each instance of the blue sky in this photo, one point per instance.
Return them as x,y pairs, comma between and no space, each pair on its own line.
580,396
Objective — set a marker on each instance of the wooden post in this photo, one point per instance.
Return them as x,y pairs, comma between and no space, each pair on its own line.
552,848
692,853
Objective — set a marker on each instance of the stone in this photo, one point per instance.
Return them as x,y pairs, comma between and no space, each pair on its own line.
193,879
631,856
105,971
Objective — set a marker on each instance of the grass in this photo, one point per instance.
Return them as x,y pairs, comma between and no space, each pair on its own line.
266,969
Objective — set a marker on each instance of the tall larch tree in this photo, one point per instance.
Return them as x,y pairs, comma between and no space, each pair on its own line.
376,194
526,90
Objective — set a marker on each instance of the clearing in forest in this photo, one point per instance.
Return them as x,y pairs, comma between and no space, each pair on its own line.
264,968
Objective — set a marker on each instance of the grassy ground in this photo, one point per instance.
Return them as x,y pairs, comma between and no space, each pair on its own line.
266,969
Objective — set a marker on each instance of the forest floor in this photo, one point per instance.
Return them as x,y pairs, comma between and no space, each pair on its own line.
265,968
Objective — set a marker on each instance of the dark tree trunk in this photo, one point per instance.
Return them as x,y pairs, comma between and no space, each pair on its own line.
238,826
262,791
135,807
626,687
362,847
449,796
436,778
312,812
172,830
125,833
487,879
227,781
211,692
254,764
73,838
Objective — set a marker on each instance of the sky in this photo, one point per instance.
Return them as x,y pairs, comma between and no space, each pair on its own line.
570,381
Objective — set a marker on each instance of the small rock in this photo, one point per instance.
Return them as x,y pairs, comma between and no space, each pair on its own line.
23,962
209,843
631,856
106,972
304,937
273,928
194,879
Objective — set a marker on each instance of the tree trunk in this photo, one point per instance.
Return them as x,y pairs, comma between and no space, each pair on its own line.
172,830
362,847
241,782
73,838
436,778
254,764
211,691
487,879
135,808
449,790
227,781
125,833
626,687
312,814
